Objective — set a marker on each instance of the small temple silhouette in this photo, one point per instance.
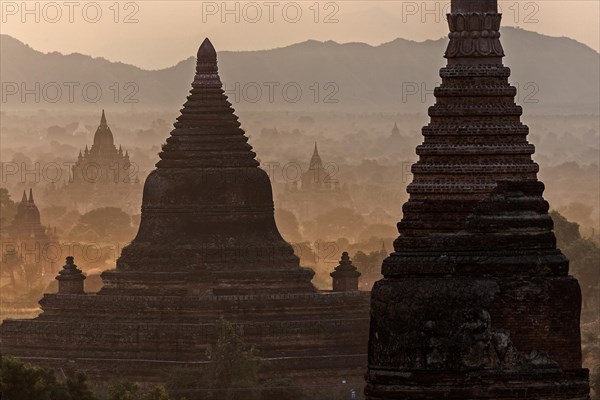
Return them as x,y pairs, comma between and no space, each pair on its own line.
476,300
102,176
103,162
395,132
27,240
317,191
207,248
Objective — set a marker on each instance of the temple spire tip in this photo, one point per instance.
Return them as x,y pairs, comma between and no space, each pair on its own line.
103,118
207,50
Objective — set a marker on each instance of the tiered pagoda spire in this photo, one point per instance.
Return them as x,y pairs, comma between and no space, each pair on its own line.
208,202
476,300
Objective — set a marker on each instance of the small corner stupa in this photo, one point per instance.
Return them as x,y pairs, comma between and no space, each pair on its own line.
207,248
476,301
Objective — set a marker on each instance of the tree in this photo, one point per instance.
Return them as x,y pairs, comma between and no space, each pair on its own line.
288,225
231,375
584,257
367,263
104,224
8,209
235,365
123,390
590,351
77,386
157,393
566,232
339,222
22,382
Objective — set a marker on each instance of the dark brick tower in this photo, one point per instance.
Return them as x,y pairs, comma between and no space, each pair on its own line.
476,300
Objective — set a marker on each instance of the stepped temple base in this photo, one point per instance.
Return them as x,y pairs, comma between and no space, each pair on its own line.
314,337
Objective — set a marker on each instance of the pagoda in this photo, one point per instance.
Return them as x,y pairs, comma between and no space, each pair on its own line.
316,191
207,248
102,176
395,132
476,300
103,162
28,240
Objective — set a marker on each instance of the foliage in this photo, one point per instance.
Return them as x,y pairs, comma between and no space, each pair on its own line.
368,263
288,225
566,232
21,382
590,351
338,222
123,390
104,224
8,209
584,257
234,365
233,373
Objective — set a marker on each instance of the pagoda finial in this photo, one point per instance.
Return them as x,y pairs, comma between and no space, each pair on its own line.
30,195
24,198
207,72
207,50
316,151
103,119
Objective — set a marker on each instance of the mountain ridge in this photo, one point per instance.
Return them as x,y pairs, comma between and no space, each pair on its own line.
554,74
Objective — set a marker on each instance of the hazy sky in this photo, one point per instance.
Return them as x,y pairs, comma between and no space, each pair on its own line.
157,34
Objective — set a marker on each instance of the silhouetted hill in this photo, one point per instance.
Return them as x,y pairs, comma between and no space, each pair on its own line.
554,75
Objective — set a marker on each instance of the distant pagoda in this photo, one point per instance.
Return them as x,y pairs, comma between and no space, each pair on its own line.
395,132
207,248
476,300
103,163
102,176
28,240
317,191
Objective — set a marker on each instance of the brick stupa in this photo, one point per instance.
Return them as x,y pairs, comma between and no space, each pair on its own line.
476,301
207,248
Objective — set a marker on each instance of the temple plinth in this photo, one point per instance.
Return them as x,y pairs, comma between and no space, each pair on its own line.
476,300
210,203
